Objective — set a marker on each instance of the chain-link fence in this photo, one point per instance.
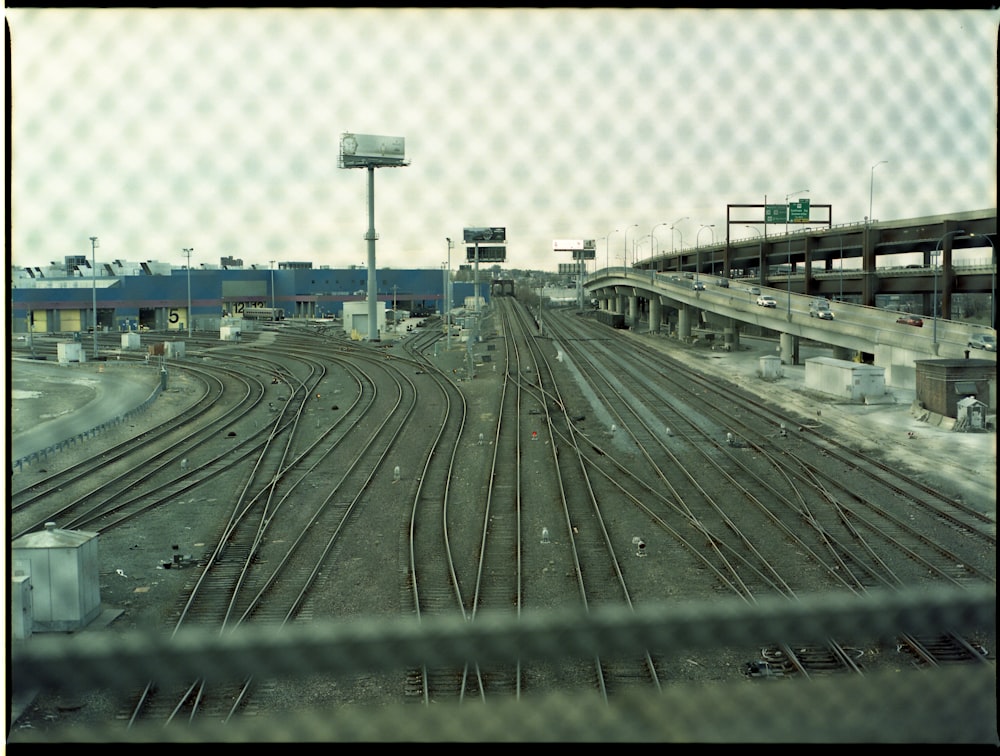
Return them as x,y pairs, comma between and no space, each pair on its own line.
949,703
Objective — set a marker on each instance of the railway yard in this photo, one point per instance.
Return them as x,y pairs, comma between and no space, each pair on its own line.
300,477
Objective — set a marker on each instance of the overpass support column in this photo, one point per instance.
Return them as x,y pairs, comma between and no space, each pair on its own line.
655,314
684,314
633,311
731,335
789,349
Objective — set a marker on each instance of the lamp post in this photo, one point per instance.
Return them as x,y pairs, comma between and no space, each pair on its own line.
789,273
652,239
272,284
447,295
188,251
937,251
93,273
672,226
871,189
607,249
697,242
625,241
993,281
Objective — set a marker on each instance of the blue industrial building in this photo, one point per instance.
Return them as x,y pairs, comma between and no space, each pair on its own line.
155,296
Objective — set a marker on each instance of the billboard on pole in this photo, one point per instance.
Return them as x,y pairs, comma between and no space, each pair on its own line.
363,150
486,234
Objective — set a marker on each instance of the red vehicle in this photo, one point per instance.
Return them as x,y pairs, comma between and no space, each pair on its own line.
912,320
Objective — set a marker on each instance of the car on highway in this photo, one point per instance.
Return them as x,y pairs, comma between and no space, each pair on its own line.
754,290
820,308
986,341
723,282
912,320
766,300
698,286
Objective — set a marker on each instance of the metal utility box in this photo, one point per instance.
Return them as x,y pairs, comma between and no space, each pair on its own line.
848,380
70,351
173,350
972,415
21,614
63,565
942,384
769,367
229,333
130,340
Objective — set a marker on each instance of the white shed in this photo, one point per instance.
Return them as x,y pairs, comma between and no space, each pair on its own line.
65,584
356,317
849,380
70,351
130,340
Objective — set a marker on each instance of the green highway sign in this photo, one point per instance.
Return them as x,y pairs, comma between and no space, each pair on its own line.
798,212
775,213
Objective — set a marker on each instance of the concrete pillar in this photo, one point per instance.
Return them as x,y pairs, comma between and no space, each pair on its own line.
731,334
789,349
655,313
684,314
633,311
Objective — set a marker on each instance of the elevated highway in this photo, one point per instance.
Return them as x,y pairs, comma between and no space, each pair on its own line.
670,302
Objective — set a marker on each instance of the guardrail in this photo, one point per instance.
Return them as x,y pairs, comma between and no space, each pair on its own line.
42,455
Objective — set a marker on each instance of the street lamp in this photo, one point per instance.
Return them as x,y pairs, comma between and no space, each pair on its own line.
672,225
652,239
607,249
993,281
697,243
934,254
789,272
447,295
188,251
871,189
272,284
625,242
93,273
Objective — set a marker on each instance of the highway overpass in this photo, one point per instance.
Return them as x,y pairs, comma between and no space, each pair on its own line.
670,303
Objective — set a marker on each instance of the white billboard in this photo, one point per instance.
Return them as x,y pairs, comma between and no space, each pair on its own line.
571,245
362,150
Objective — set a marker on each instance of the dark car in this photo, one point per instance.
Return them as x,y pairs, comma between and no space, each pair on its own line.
698,286
912,320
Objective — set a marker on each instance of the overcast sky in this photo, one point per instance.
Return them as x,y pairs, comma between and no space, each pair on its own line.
157,130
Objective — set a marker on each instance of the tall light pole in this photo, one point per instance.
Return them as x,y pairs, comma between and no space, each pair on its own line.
871,190
697,243
935,253
789,274
652,239
625,241
672,227
993,281
188,251
93,273
447,295
607,249
272,284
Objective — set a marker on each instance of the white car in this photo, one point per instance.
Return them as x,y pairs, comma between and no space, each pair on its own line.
985,341
766,300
